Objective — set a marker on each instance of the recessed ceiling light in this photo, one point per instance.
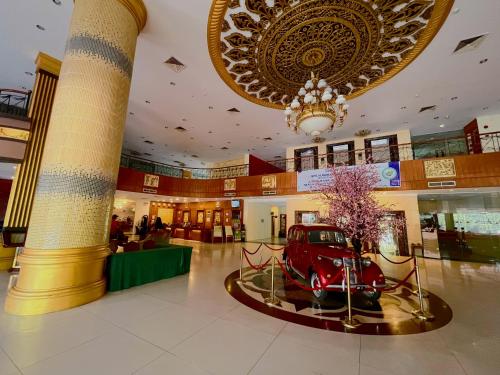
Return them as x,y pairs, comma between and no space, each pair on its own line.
24,88
237,124
363,116
403,107
210,132
224,148
483,61
235,110
455,11
378,130
175,65
40,27
28,73
149,142
210,107
485,108
447,117
184,119
454,98
57,2
180,129
131,113
147,101
172,83
441,126
436,117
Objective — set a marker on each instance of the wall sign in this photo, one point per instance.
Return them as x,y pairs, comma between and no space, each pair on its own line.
268,182
149,190
151,180
389,174
230,184
439,168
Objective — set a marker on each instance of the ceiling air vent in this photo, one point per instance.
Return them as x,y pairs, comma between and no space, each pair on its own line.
470,44
438,184
429,108
233,110
148,141
175,65
224,148
180,129
267,139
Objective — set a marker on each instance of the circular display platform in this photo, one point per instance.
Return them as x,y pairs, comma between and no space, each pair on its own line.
390,315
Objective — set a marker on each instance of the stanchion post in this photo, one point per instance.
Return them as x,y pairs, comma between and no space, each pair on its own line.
416,291
240,280
272,300
349,322
421,313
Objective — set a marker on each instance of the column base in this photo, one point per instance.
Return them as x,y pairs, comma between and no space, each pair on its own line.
54,280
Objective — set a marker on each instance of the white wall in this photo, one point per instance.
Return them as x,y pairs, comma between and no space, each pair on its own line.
403,135
257,219
141,209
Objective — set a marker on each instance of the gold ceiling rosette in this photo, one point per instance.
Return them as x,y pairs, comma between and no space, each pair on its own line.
266,49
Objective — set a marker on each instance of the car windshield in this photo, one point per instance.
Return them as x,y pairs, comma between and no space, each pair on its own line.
326,237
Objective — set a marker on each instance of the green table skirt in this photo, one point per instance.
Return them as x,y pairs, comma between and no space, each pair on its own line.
125,270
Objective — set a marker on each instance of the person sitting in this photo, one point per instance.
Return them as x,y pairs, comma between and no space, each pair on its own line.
158,223
115,228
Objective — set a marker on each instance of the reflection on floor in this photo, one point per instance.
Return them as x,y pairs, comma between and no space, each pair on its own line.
270,241
191,325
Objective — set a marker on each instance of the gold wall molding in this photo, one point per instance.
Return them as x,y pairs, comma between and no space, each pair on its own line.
439,168
138,11
48,63
265,54
14,134
57,280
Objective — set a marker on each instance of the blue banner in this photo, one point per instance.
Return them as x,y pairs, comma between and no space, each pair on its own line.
389,174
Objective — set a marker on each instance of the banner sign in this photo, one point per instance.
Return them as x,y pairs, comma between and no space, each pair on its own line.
389,174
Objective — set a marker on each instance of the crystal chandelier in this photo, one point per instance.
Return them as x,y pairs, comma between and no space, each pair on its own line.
315,109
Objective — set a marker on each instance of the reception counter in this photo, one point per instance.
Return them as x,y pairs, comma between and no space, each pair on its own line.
130,269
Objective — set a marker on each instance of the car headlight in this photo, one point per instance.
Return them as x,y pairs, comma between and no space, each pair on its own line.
337,262
366,262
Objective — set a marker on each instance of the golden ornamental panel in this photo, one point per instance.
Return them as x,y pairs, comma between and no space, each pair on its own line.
14,134
439,168
265,51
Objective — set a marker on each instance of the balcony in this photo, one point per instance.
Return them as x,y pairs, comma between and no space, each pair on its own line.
14,103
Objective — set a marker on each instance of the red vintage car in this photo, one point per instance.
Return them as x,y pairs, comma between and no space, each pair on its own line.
319,253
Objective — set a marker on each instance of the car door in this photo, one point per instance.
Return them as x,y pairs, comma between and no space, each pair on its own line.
301,252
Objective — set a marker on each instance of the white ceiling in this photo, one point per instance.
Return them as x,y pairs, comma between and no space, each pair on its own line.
178,28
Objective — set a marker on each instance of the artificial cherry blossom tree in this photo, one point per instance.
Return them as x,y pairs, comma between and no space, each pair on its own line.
352,205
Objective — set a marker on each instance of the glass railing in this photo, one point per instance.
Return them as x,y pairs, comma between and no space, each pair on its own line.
479,143
14,102
489,142
149,166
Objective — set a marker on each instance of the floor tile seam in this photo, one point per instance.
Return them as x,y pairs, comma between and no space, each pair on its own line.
11,360
194,364
64,351
266,349
451,350
148,363
359,355
170,350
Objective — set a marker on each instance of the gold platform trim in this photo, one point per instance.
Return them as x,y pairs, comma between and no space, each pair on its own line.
59,279
216,23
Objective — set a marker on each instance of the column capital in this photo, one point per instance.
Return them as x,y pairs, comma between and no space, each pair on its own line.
138,11
48,63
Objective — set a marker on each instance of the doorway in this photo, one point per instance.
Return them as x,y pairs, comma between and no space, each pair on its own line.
392,242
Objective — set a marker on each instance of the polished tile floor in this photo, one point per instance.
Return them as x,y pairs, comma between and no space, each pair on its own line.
191,325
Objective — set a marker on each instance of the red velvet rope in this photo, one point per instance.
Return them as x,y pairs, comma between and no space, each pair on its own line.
394,262
273,249
260,267
252,253
394,287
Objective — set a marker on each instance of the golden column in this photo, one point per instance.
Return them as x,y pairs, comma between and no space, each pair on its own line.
23,186
63,262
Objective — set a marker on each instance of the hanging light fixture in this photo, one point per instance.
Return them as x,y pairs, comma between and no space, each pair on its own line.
316,108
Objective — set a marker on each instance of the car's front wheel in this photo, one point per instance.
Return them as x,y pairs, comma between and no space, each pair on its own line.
320,294
372,295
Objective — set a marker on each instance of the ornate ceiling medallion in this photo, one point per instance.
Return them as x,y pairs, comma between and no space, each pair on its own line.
266,49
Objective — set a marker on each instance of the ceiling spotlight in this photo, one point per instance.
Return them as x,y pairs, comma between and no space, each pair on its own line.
131,113
485,108
40,27
28,73
147,102
455,11
454,98
483,61
441,126
172,83
403,107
